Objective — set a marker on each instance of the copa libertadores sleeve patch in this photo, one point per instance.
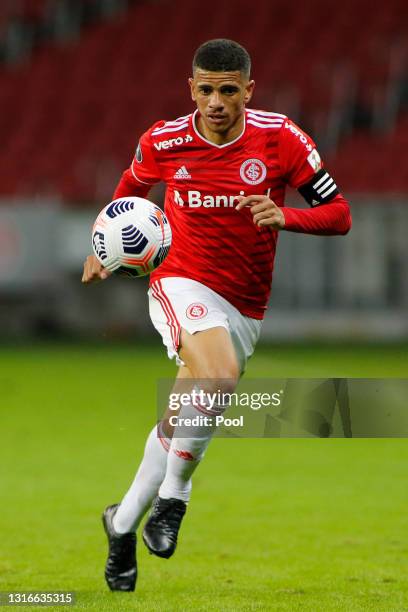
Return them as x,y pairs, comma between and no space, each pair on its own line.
320,189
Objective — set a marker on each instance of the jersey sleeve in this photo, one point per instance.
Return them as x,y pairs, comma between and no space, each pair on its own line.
144,166
143,172
298,156
302,168
327,220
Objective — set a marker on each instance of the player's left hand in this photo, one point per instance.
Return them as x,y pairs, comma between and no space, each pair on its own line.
264,211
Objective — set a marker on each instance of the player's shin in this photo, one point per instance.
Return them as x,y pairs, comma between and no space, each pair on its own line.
192,435
146,483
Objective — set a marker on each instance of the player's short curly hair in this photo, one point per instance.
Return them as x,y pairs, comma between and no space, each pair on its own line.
222,55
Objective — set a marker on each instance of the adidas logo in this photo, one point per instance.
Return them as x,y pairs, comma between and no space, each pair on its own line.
182,173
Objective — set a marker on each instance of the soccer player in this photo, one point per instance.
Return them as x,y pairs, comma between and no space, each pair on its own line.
226,168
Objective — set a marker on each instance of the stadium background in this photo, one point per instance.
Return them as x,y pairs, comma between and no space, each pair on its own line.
80,80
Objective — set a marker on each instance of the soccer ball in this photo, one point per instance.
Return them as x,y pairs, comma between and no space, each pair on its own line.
131,237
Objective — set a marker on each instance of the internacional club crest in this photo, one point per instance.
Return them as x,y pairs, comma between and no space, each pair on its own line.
253,171
196,311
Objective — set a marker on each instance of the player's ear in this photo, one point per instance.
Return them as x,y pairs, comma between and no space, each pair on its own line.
191,83
249,90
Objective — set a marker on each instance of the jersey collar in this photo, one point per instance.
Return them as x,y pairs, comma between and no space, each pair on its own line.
227,144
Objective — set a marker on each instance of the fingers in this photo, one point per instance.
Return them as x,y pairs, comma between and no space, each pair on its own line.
263,210
249,200
275,219
265,214
266,205
257,203
93,270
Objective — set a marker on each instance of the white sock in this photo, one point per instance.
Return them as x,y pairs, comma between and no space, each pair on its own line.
145,485
185,453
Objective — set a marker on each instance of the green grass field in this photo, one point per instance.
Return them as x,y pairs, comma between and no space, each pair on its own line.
295,524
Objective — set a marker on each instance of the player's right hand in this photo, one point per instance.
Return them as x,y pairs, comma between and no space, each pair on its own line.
94,270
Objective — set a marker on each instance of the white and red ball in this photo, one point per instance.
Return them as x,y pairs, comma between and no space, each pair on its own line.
131,236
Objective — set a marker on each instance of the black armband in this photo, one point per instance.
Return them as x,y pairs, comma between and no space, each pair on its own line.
320,189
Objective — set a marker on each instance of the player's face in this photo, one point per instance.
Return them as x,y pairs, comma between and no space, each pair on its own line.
221,99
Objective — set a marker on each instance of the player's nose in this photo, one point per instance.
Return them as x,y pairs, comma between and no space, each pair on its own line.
215,101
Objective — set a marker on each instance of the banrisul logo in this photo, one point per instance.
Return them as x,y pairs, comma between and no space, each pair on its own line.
195,199
177,198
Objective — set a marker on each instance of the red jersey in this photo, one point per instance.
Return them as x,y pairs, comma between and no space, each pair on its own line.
213,243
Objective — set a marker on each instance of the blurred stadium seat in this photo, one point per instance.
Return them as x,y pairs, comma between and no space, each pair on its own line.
71,114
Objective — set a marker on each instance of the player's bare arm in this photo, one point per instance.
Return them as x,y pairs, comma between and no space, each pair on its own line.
264,211
93,270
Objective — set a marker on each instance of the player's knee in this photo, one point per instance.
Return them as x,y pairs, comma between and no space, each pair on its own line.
219,377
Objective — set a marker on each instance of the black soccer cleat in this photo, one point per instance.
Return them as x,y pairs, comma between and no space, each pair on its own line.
162,526
121,566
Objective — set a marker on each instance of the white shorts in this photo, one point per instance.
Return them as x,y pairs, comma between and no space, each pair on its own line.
176,303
